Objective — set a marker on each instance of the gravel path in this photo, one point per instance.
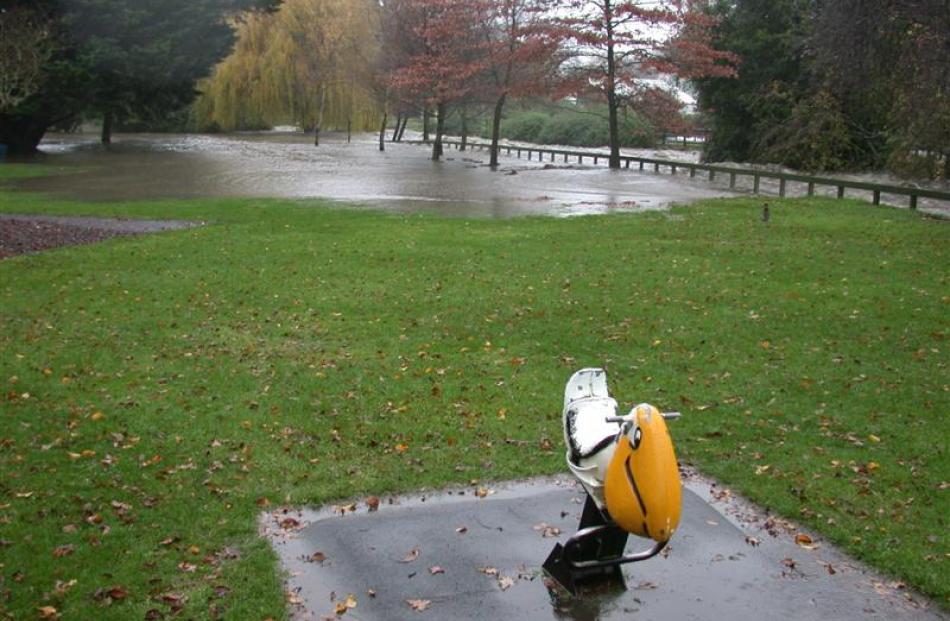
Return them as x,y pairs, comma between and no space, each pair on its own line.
20,234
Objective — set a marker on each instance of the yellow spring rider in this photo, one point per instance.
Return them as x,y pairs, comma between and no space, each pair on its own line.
628,468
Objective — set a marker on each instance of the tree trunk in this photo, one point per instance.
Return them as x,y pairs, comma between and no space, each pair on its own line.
496,130
382,132
402,130
614,130
320,111
425,124
612,103
21,134
464,142
107,118
439,128
396,128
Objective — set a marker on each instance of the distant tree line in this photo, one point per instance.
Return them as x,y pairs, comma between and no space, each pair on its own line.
327,61
833,85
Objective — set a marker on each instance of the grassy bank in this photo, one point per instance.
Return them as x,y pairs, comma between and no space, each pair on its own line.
158,391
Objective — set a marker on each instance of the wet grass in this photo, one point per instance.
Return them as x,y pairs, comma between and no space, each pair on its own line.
159,390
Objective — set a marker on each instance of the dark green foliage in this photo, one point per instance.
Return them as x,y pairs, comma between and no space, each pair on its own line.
834,85
770,36
123,58
815,137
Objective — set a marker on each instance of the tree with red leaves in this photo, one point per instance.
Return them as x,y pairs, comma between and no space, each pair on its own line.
520,59
450,57
616,43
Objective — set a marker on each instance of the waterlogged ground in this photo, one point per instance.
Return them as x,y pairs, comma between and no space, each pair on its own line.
401,179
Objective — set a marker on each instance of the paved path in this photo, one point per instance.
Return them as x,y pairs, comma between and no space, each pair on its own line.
723,563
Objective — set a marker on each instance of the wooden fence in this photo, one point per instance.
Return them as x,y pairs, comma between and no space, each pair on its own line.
542,154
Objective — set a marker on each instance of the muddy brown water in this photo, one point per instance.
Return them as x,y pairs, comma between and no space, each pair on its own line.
402,179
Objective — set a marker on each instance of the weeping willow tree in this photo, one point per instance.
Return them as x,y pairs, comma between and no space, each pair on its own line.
310,64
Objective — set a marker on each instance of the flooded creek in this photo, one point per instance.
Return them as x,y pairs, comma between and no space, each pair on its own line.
402,179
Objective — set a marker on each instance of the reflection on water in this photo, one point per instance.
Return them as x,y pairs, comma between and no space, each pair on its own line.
401,179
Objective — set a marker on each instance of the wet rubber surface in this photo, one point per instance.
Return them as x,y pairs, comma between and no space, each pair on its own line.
480,558
402,179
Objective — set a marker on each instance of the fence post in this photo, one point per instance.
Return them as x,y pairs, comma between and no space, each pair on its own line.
781,187
656,167
840,191
877,197
565,157
811,188
692,171
913,201
673,170
626,163
712,175
756,180
596,159
641,164
732,181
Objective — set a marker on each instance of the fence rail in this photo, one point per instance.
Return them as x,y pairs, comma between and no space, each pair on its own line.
712,170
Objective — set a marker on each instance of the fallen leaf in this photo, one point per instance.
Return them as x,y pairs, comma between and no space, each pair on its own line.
317,557
64,550
419,604
482,492
435,570
646,585
411,556
488,571
372,503
289,523
752,541
505,583
802,539
547,530
97,416
48,612
462,530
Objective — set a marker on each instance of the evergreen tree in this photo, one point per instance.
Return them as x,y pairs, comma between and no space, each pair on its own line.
120,57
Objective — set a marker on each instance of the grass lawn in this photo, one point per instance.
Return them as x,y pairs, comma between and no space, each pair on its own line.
158,391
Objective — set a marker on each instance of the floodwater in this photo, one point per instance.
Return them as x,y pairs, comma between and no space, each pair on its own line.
403,179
